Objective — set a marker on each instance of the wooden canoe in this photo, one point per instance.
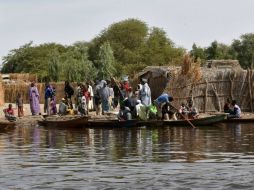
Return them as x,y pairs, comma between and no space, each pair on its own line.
205,121
7,124
85,121
64,121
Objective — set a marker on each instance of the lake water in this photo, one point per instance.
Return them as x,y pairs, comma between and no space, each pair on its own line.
220,157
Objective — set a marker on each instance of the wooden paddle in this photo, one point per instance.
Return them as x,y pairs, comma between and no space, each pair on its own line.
186,119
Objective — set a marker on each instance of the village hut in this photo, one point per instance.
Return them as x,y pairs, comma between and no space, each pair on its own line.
157,77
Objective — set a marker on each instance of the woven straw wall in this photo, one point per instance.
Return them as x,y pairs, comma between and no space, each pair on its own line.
211,91
11,91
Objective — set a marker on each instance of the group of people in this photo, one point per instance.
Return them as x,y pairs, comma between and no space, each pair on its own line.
138,104
110,95
233,110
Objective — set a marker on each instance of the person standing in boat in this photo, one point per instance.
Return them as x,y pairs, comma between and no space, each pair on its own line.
145,93
34,99
236,112
47,95
161,101
104,93
68,93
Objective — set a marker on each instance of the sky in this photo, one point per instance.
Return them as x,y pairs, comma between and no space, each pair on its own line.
68,21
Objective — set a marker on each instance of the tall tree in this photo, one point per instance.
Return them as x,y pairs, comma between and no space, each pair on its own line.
198,53
244,50
54,66
159,49
106,62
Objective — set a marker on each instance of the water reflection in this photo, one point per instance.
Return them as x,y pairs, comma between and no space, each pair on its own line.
36,157
179,144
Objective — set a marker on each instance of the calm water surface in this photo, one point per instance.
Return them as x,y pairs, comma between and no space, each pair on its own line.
220,157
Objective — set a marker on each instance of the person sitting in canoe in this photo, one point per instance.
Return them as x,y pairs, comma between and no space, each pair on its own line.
227,106
192,110
9,113
183,111
152,112
125,111
161,101
83,108
168,112
236,112
63,107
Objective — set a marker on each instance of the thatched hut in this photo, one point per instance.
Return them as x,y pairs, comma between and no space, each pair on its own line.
157,76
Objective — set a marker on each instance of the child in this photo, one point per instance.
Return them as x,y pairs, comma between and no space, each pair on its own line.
53,109
9,113
19,103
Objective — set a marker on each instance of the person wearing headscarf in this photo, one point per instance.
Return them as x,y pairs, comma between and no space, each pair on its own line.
104,92
90,90
145,93
34,99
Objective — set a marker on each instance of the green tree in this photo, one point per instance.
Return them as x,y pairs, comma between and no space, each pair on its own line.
77,67
218,51
158,48
198,53
54,66
244,50
106,62
126,39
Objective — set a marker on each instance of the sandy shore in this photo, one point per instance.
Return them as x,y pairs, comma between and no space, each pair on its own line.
26,109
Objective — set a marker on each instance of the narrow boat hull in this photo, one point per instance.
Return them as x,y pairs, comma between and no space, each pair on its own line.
72,122
7,125
206,121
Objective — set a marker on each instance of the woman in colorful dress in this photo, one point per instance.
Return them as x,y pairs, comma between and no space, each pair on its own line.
34,99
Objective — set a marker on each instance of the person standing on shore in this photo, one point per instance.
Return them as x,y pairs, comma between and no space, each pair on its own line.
48,95
34,99
68,93
19,103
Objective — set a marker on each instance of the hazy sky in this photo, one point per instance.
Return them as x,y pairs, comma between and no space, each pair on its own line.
68,21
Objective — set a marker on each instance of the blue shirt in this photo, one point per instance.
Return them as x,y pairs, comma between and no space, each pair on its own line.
48,93
162,99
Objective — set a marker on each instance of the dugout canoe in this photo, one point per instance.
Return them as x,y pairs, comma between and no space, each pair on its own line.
64,121
205,121
7,124
86,121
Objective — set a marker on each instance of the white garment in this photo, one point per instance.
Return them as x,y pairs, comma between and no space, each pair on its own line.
145,95
90,102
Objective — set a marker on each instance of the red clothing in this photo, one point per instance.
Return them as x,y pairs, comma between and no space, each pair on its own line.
87,95
9,111
126,88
